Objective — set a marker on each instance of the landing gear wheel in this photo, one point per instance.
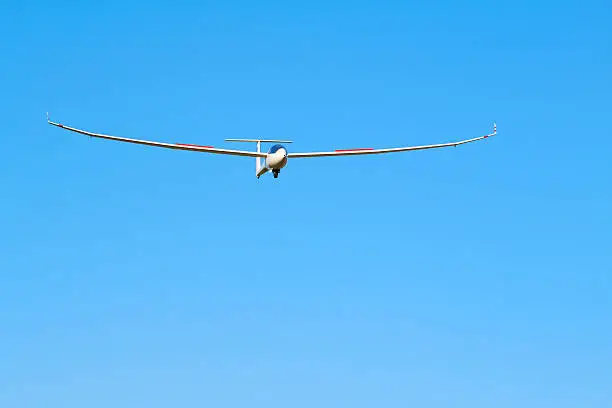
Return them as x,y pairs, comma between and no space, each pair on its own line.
275,172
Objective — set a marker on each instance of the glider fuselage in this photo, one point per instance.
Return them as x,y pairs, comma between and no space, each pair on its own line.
276,159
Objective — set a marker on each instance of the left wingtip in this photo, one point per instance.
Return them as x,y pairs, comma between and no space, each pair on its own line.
492,133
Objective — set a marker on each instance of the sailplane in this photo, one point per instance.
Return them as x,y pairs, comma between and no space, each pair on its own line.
277,156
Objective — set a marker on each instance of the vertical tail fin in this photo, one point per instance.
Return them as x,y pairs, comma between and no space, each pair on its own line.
257,159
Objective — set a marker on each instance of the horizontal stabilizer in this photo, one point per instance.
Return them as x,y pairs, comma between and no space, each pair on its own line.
258,140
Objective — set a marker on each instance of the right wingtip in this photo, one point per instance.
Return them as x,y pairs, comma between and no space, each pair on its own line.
49,121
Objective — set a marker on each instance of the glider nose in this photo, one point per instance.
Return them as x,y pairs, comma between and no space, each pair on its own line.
282,159
277,159
281,154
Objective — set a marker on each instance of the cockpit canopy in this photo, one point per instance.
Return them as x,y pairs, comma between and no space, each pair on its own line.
275,148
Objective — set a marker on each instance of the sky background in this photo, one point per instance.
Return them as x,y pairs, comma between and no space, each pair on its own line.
474,276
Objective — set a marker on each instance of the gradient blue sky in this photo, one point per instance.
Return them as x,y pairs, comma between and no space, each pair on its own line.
470,277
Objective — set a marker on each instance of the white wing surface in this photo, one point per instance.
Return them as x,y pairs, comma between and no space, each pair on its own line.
354,152
177,146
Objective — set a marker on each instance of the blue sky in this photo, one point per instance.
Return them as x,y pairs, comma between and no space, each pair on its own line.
476,276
